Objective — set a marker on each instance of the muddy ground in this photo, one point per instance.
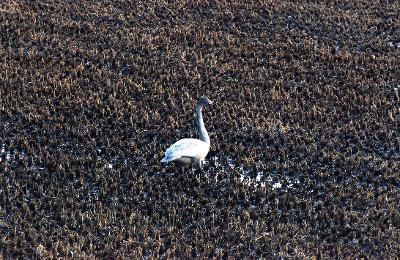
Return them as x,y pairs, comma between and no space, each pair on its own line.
305,143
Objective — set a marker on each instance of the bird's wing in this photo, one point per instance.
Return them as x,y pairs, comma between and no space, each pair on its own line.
188,147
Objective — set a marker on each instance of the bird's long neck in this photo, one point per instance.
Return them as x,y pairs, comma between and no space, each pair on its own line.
200,125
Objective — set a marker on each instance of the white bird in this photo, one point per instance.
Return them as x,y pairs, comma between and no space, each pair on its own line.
190,150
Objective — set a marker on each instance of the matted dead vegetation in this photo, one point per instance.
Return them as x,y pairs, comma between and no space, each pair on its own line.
305,131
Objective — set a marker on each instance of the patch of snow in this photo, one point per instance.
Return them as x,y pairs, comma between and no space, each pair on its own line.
216,161
259,176
276,185
231,163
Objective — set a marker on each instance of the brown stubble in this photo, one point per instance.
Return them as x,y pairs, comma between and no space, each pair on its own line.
91,94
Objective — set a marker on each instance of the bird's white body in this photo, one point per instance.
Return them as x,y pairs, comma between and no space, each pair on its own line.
187,150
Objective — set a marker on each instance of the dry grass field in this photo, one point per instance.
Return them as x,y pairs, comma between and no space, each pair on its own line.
305,138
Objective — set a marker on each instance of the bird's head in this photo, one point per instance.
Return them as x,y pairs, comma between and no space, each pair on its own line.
204,101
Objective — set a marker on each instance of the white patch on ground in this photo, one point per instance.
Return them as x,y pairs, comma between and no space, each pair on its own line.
259,176
276,185
275,180
216,161
231,163
262,179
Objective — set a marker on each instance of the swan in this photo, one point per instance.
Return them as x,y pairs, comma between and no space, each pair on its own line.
191,150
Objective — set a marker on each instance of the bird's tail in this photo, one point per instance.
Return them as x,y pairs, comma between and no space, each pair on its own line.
164,160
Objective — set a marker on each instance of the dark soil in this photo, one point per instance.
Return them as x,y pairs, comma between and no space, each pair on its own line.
305,138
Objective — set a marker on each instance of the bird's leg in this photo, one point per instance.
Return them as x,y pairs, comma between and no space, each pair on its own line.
200,164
